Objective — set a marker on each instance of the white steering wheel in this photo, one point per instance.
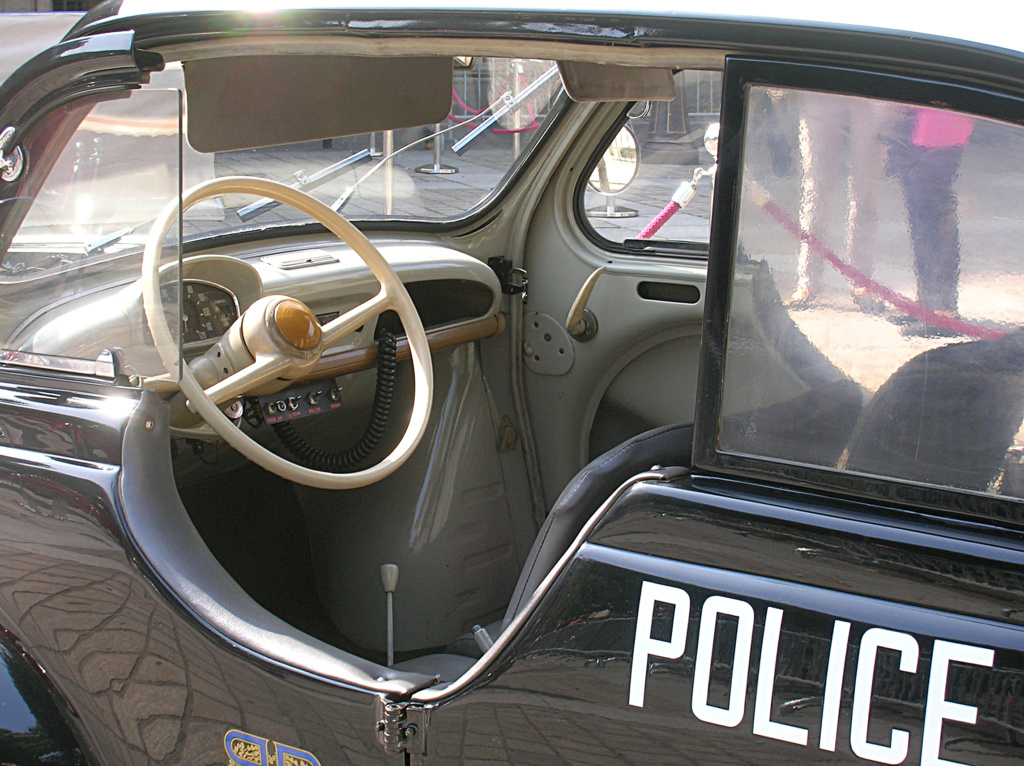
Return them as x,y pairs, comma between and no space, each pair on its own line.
279,338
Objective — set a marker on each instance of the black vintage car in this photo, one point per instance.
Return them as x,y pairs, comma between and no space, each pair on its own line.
663,404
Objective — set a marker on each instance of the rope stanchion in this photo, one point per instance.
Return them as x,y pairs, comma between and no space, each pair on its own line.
681,198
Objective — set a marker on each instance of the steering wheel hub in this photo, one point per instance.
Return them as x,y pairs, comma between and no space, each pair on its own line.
297,325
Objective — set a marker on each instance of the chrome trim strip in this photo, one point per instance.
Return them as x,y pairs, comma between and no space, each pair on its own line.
102,367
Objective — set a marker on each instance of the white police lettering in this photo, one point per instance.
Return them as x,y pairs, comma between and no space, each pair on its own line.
872,641
713,607
764,726
833,696
644,646
937,708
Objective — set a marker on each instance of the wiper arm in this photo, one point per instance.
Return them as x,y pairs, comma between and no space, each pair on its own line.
509,103
304,183
101,244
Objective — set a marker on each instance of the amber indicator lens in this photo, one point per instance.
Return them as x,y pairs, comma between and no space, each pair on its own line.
297,324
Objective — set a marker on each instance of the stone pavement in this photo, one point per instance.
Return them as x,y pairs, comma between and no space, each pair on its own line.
424,196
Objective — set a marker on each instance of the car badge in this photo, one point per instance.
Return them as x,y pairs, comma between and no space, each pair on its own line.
249,750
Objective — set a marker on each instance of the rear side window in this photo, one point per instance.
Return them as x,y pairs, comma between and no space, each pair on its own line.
875,324
638,180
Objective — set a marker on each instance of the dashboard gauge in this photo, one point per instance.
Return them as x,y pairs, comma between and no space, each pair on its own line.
207,310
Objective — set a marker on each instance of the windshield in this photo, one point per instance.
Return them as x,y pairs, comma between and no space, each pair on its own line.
87,225
434,172
104,192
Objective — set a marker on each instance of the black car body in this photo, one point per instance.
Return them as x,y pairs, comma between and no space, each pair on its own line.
756,498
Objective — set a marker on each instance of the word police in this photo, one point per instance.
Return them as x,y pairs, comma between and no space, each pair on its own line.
937,708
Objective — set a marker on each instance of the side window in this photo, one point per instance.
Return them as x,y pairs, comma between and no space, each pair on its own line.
85,229
875,324
639,182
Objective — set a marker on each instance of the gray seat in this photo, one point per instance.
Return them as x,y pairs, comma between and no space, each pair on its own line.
582,496
946,417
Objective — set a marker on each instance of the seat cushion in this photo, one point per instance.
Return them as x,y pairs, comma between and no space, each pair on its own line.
447,667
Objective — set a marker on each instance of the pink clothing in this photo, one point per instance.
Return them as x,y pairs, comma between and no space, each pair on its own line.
936,129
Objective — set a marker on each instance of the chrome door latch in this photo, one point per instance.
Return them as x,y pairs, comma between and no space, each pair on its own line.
13,162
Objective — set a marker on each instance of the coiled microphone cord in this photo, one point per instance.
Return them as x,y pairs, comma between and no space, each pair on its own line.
307,455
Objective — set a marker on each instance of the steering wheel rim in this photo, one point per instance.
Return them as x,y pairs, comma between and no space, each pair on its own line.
395,297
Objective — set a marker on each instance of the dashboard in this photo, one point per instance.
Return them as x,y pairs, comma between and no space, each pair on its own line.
457,296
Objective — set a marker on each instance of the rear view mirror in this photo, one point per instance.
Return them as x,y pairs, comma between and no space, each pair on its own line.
619,166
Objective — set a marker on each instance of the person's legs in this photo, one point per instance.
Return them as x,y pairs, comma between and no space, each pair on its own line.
932,212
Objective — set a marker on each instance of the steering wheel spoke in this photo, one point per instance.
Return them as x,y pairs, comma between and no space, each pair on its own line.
338,328
256,374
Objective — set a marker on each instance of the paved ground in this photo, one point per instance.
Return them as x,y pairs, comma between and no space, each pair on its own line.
421,195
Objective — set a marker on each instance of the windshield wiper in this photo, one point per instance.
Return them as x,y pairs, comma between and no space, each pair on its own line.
304,183
102,243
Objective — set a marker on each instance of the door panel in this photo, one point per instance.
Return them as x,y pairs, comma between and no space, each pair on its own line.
633,334
766,667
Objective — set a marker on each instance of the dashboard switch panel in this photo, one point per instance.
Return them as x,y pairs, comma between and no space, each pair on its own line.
300,401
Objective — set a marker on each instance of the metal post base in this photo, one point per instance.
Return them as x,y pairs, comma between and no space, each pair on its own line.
437,170
610,211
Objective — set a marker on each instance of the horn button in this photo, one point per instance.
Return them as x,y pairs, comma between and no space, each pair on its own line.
297,325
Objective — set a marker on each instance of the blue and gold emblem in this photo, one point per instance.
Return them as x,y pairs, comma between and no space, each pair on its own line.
249,750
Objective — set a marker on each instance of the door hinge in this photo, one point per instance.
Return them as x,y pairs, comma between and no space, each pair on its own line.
513,281
12,160
401,727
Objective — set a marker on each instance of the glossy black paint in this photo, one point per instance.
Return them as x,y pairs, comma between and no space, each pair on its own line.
147,680
805,539
740,73
33,729
568,674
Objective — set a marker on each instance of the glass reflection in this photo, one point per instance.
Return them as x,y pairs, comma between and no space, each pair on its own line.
876,314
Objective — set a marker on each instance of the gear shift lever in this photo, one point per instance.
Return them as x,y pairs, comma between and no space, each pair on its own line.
389,579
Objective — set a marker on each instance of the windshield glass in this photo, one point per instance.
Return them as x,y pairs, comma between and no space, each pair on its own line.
434,172
83,235
102,196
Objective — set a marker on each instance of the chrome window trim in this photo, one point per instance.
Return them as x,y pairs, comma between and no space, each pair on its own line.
104,366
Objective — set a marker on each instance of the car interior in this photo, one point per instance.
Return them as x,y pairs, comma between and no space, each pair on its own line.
380,443
472,425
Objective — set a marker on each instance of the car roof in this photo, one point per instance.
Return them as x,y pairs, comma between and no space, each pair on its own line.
986,24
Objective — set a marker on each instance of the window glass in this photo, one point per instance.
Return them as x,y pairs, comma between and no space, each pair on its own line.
84,232
433,172
664,142
86,228
876,322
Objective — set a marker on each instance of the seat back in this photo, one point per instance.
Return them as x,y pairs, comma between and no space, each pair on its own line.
588,489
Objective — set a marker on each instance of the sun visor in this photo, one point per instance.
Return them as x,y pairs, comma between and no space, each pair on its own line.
584,81
245,102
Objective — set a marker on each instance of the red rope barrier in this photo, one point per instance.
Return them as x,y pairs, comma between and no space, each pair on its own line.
464,105
859,279
659,220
